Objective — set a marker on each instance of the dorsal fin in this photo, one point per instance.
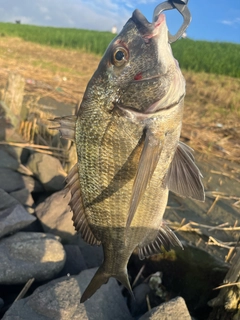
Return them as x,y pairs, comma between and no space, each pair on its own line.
147,164
165,238
184,177
66,126
76,203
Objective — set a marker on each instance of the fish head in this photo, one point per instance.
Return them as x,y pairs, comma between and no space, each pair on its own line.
138,69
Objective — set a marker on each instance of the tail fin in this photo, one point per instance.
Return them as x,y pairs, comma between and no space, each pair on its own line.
123,279
101,278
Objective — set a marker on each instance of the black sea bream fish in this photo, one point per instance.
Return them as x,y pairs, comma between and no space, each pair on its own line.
129,156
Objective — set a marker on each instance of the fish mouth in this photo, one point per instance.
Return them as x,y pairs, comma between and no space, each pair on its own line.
148,30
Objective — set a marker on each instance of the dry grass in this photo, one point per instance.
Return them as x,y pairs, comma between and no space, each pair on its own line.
212,105
212,115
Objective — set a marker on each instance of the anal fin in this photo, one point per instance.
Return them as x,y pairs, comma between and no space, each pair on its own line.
165,238
66,126
184,177
76,203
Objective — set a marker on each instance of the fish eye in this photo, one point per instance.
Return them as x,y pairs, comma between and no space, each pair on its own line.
120,56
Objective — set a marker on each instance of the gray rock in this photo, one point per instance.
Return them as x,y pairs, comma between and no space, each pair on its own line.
138,303
28,255
14,219
10,158
171,310
55,216
74,261
1,303
7,161
59,300
11,181
18,153
23,196
6,201
93,255
48,170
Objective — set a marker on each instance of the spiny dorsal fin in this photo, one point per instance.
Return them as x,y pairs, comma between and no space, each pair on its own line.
165,238
148,161
184,177
76,203
66,126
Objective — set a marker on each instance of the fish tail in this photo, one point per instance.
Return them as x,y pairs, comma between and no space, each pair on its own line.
97,281
123,278
100,278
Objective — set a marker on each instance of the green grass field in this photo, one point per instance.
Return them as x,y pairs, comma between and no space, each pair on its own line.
211,57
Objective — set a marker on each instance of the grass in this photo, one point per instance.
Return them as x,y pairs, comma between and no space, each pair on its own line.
198,56
86,40
211,57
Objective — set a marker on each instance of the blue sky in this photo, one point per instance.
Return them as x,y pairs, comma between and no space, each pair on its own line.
212,20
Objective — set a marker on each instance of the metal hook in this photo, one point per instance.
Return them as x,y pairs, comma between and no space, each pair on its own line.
181,6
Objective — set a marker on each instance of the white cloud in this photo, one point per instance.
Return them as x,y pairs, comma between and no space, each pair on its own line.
232,22
43,9
97,14
47,18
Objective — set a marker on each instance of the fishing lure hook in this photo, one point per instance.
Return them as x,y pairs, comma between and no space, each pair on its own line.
181,6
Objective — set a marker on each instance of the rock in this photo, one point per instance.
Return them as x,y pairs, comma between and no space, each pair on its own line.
13,216
13,219
55,216
28,255
138,304
93,255
48,170
59,299
74,261
1,303
171,310
10,158
23,196
11,181
6,201
7,161
19,153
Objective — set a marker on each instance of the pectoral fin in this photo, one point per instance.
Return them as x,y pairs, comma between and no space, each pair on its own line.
148,161
66,126
184,177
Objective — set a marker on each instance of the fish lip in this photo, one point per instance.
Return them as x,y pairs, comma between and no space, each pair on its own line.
147,30
157,27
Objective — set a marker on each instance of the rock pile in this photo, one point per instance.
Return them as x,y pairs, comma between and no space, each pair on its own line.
38,240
